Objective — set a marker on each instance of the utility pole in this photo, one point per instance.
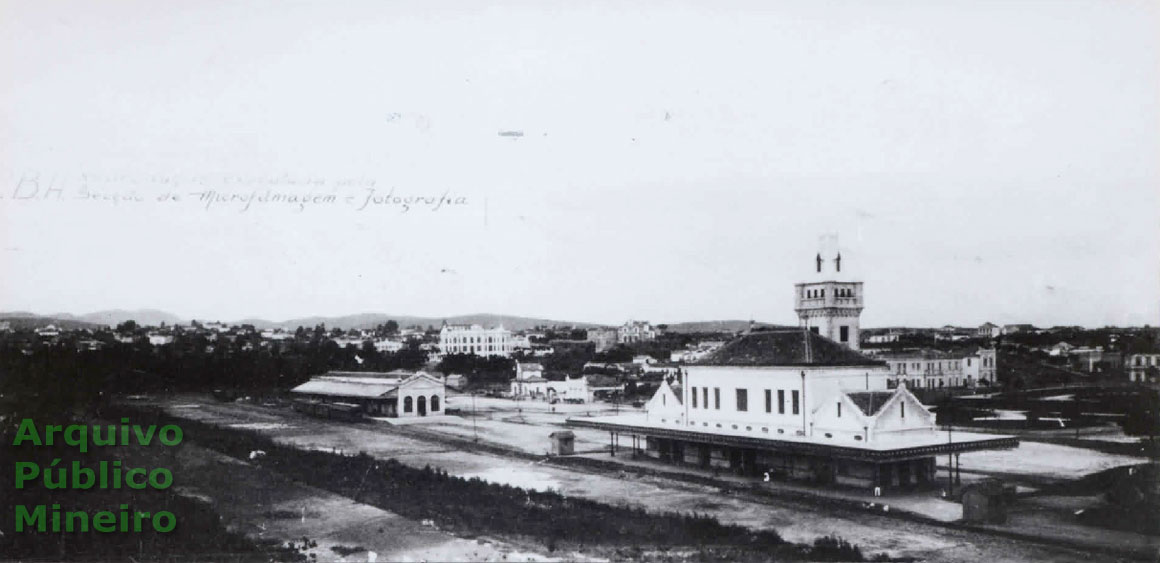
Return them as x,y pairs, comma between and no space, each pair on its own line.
474,431
950,464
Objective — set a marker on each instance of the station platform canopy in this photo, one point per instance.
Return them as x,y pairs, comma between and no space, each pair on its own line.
914,446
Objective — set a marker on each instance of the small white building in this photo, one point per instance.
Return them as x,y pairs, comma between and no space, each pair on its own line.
529,381
988,330
388,345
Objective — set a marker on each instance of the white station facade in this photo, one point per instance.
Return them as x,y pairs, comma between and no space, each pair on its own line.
796,403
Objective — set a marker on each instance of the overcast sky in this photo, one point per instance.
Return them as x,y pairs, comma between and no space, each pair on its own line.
978,160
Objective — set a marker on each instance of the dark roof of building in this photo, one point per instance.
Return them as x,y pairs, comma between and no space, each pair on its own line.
870,402
786,347
395,374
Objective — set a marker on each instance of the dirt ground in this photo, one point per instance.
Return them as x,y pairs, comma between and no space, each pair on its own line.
796,521
265,506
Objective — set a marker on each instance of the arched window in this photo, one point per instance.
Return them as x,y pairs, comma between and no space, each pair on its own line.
407,404
422,405
434,403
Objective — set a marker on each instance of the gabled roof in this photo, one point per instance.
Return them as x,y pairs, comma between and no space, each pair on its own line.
786,347
870,402
348,387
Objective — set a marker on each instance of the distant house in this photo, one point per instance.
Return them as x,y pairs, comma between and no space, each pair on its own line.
878,336
529,381
989,330
635,331
387,345
604,338
160,339
396,394
456,381
1061,349
277,334
1143,367
50,331
1017,328
1086,358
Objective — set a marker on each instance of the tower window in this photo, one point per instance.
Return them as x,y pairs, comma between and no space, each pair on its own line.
781,401
815,330
742,400
839,410
844,334
694,397
768,401
717,398
795,402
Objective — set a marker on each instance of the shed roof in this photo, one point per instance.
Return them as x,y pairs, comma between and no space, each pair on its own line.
347,386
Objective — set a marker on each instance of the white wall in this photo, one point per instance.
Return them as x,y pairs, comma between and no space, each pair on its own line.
820,385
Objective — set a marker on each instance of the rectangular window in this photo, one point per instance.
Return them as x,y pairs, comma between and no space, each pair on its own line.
815,330
694,397
795,402
781,401
839,410
768,401
844,334
742,400
717,398
705,396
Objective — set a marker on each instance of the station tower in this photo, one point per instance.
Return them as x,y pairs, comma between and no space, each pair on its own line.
830,304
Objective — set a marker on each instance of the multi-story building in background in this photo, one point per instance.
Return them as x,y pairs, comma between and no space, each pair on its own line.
635,331
1142,367
604,338
932,369
474,339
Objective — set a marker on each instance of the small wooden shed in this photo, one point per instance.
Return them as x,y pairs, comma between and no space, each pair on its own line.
985,502
563,442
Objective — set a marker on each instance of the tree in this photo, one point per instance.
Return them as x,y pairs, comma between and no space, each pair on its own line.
127,327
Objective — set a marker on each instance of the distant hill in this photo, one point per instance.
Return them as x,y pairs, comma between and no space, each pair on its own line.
154,317
371,320
114,317
716,326
27,321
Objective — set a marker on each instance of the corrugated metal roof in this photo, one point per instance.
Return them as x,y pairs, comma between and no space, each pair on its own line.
367,387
